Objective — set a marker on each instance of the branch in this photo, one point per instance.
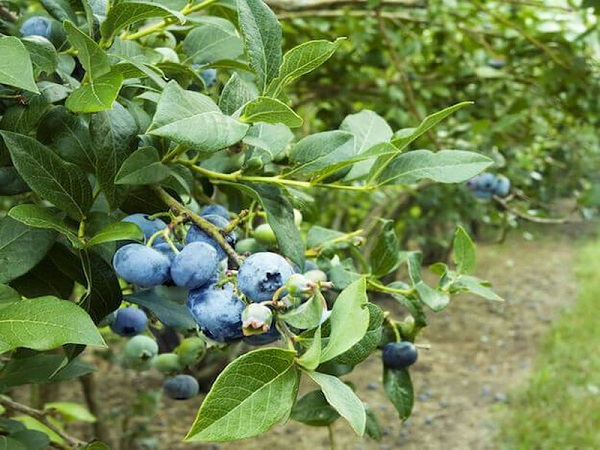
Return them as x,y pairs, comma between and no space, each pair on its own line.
504,203
341,14
7,15
201,222
290,5
42,417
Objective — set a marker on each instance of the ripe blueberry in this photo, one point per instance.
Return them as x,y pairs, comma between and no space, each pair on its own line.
399,355
181,387
195,265
129,321
209,76
261,274
36,26
141,265
215,209
502,186
217,311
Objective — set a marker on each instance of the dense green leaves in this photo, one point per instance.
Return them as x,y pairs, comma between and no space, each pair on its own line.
46,323
15,66
166,303
214,40
39,217
229,411
93,59
57,181
21,247
103,294
313,409
98,95
117,231
262,39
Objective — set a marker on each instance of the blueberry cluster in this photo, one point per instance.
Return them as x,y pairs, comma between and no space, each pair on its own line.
486,185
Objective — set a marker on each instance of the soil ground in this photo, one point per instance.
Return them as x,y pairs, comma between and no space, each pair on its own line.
479,352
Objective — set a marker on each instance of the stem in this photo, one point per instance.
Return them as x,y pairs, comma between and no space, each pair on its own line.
42,416
507,207
377,286
201,222
237,177
88,386
188,9
331,437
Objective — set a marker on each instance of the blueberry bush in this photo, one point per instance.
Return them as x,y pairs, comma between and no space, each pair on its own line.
153,179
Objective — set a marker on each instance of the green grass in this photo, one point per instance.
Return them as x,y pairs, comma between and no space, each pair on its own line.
560,406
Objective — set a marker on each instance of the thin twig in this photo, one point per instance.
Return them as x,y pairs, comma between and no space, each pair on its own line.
291,5
346,13
42,417
547,220
201,222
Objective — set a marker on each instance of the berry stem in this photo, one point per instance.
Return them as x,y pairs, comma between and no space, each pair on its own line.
201,222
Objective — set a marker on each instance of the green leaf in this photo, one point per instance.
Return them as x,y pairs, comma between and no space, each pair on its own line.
349,320
270,110
213,39
126,13
307,315
21,248
103,294
414,261
46,278
311,357
167,304
405,139
372,428
59,182
386,254
194,120
98,95
144,166
31,439
411,303
367,345
69,136
41,369
320,150
280,216
118,231
59,9
318,235
176,103
93,59
45,323
15,65
71,411
445,166
434,299
399,390
9,443
300,60
312,409
236,93
262,39
370,129
428,123
464,251
267,142
343,399
234,410
114,136
39,217
8,296
43,54
474,285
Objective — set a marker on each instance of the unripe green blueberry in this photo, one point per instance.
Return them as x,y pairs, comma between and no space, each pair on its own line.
316,276
139,350
265,234
191,350
167,54
249,245
300,286
167,363
256,319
